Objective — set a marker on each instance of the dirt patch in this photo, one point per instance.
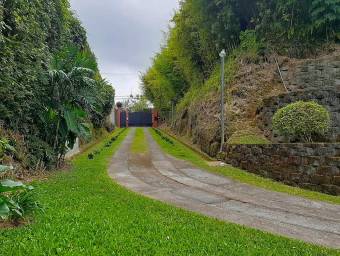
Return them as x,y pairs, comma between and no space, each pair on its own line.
14,224
142,160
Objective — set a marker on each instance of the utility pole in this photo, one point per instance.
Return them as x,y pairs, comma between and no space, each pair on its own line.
172,113
222,55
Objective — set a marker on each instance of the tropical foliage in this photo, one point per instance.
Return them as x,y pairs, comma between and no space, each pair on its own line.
202,28
16,199
50,88
301,121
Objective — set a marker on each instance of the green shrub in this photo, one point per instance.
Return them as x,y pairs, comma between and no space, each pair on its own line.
250,47
16,200
26,203
5,147
301,121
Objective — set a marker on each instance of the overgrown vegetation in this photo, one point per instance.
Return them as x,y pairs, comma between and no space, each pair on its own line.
50,88
249,30
88,214
302,121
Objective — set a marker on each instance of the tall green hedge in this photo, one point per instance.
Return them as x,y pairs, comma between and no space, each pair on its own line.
32,35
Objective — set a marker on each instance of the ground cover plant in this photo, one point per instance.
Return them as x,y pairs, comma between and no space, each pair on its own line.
86,213
181,151
163,137
16,199
107,144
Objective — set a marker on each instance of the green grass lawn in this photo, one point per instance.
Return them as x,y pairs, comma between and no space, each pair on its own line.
247,137
139,145
181,151
86,213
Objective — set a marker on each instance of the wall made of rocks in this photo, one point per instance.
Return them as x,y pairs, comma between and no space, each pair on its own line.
313,73
311,166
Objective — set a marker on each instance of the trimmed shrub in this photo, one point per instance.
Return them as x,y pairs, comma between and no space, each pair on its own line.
302,121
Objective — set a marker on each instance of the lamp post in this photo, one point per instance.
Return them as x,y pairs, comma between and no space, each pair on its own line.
222,55
172,112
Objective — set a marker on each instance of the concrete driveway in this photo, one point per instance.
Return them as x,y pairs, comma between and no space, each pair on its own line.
164,178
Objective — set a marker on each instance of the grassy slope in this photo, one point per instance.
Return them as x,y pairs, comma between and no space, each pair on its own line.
139,143
89,214
183,152
247,137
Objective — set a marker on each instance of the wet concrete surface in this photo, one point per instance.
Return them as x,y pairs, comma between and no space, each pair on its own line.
162,177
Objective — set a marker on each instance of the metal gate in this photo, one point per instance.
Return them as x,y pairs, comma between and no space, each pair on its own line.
140,119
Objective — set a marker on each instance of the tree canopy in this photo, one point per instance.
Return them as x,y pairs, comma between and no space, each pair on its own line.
202,28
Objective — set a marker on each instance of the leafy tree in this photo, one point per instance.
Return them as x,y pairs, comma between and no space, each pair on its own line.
65,108
140,105
325,17
202,28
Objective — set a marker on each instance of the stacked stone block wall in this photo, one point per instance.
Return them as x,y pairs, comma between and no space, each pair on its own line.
311,166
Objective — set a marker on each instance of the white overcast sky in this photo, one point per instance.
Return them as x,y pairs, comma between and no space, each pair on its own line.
125,34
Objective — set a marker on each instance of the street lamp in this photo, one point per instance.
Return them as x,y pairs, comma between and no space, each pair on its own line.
222,55
172,112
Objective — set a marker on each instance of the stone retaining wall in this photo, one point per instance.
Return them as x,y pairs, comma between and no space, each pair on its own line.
311,166
313,73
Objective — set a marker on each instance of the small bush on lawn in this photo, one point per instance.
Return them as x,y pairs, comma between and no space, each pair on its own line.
301,121
16,199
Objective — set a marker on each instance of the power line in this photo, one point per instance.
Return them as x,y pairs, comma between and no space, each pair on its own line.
119,74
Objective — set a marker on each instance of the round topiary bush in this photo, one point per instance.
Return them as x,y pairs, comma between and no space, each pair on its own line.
301,121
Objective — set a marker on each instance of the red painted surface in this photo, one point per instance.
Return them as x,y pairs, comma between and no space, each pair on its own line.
155,118
118,118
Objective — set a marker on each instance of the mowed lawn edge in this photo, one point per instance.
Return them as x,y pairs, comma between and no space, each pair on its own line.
139,145
181,151
87,213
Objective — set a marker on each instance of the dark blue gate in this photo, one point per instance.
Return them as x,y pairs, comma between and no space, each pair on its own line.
140,119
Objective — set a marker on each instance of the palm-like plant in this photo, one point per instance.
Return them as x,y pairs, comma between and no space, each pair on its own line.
66,113
79,99
66,109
